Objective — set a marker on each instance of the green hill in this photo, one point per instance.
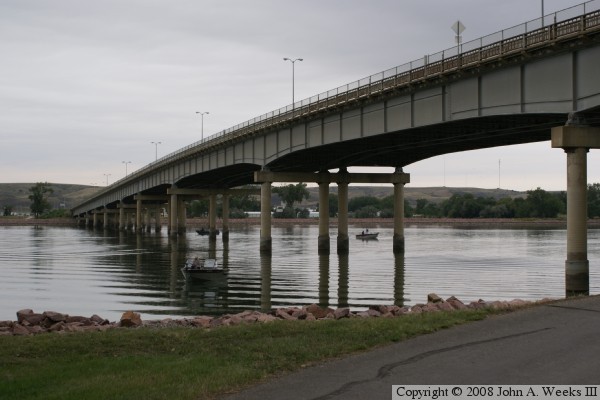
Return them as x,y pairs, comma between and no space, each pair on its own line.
16,195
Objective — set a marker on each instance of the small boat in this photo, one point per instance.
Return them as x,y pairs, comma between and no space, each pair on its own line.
204,232
367,235
202,269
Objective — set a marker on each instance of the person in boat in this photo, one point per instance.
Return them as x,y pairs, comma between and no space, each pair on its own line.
363,233
196,263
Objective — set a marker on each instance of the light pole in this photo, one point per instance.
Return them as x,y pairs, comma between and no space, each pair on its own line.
126,162
107,175
156,149
293,73
202,116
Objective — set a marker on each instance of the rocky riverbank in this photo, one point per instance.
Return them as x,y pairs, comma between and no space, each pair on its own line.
31,323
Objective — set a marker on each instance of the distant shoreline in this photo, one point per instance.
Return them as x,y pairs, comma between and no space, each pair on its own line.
366,222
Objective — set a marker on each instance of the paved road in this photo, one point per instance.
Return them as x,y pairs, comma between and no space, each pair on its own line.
557,343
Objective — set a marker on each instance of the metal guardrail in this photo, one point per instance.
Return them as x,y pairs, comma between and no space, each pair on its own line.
529,35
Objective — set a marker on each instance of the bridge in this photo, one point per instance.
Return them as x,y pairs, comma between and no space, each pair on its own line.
511,87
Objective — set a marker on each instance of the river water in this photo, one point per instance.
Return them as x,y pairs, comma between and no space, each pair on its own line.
85,272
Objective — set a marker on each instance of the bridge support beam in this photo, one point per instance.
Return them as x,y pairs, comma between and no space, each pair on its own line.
265,217
225,227
173,219
138,216
343,241
576,140
212,217
398,239
323,240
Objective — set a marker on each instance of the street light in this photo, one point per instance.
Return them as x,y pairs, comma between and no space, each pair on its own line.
202,116
126,162
156,149
293,63
107,175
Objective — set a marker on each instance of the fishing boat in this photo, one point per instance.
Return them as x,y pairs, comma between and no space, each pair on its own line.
202,269
367,235
204,232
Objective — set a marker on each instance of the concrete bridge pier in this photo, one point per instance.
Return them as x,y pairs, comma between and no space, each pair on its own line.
181,216
105,225
398,238
173,219
343,241
138,216
225,227
323,240
148,219
157,222
212,217
95,221
265,217
576,139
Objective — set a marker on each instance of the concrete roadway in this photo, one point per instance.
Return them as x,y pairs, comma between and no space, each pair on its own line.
557,343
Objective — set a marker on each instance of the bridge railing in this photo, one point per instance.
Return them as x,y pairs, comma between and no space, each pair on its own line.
538,32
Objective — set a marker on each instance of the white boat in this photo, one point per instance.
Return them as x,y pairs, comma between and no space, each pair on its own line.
203,269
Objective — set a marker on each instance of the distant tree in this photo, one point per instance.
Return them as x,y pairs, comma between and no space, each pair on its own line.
7,211
333,205
291,194
593,200
366,212
197,208
359,202
39,202
543,204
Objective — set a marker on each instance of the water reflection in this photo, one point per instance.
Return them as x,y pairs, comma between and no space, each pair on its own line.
106,273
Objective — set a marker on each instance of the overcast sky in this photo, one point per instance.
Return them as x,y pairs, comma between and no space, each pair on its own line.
86,85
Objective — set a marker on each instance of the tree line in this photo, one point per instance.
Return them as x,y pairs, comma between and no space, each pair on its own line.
537,203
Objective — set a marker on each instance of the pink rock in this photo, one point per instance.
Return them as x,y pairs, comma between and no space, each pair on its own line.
317,311
130,319
373,313
55,316
341,313
20,330
300,314
434,298
265,318
202,321
22,313
444,306
283,314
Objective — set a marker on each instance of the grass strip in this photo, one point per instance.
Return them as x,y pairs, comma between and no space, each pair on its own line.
186,363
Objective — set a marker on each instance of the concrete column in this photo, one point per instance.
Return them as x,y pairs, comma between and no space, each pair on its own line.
138,216
323,241
576,138
212,217
105,218
343,242
122,216
265,217
95,220
173,219
148,219
181,216
157,222
225,232
398,239
577,269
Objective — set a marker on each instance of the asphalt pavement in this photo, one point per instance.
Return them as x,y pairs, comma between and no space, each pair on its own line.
552,344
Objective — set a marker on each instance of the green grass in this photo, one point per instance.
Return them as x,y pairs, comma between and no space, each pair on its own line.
186,363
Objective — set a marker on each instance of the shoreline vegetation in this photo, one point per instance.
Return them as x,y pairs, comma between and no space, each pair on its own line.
205,357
